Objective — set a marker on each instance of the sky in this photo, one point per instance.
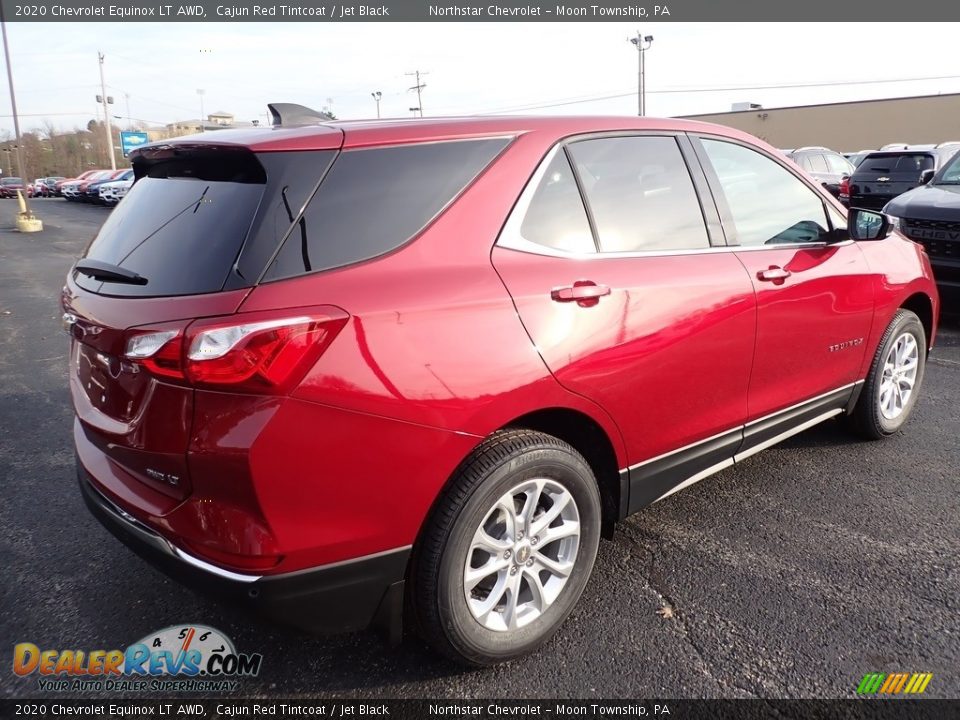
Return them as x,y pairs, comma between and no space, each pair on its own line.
538,68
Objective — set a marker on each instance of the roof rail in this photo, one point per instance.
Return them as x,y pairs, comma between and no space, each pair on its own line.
894,146
287,114
948,143
812,147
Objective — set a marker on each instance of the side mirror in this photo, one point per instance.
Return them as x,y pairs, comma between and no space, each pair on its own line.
926,176
868,224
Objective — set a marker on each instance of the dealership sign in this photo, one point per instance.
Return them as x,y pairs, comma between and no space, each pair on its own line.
130,141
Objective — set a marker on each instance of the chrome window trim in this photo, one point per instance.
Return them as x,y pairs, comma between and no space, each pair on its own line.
510,237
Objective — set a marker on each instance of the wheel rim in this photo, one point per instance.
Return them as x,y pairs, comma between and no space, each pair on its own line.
899,376
522,555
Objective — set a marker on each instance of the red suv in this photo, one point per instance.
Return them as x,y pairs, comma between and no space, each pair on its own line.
338,369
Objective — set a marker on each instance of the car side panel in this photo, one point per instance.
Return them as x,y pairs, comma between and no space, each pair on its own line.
899,269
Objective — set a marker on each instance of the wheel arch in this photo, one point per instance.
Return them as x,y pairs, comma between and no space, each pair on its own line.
921,305
587,437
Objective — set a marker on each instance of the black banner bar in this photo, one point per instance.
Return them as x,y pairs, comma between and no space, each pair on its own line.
477,11
228,708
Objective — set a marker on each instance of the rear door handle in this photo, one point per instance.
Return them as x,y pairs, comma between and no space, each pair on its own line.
773,273
583,292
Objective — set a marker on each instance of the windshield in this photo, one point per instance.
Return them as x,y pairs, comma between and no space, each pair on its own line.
11,181
951,173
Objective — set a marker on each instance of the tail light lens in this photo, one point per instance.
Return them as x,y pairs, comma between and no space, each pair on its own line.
255,352
845,186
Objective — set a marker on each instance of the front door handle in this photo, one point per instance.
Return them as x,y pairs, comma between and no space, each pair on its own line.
583,292
774,273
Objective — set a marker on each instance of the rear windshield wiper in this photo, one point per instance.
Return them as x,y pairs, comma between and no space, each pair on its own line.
108,272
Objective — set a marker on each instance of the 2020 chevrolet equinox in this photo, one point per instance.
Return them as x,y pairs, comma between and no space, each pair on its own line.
339,368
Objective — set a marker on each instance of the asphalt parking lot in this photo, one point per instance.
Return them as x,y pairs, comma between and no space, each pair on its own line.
791,575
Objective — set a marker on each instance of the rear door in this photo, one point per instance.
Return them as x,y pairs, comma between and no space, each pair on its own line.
163,258
883,176
615,275
813,287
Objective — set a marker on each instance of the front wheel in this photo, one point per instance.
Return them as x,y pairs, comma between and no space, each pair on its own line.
893,384
508,550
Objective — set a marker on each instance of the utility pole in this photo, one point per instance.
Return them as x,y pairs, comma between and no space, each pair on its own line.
203,120
126,97
13,96
419,88
642,43
376,97
106,115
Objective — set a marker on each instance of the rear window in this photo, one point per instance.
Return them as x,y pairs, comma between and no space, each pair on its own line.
373,201
897,164
181,225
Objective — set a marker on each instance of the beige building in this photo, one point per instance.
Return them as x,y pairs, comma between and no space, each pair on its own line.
850,126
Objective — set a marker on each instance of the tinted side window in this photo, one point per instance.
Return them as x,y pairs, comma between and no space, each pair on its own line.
640,194
374,200
556,217
769,205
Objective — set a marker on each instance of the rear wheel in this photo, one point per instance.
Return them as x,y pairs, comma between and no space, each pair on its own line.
508,550
893,384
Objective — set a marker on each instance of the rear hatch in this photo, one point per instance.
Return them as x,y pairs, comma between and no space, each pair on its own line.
191,237
883,176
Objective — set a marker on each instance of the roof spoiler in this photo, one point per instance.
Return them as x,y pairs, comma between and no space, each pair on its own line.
287,114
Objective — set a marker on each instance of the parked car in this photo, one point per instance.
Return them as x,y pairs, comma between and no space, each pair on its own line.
92,191
58,187
114,191
327,368
46,187
827,166
884,175
856,158
75,189
9,186
930,215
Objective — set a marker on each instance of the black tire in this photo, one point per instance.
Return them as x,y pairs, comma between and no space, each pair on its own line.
867,420
502,462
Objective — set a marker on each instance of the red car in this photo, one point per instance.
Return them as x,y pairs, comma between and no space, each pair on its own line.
330,369
9,187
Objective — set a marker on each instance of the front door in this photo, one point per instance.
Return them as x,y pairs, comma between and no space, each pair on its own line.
814,293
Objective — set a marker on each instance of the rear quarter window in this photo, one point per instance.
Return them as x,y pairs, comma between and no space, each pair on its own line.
374,200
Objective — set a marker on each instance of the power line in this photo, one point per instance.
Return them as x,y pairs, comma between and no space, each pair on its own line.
669,91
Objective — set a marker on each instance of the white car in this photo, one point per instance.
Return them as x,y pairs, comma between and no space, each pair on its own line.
113,192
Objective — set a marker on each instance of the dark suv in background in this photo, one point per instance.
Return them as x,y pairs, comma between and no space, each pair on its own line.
885,174
930,215
826,166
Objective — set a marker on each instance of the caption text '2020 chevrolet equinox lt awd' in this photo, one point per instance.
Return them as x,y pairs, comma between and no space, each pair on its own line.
339,369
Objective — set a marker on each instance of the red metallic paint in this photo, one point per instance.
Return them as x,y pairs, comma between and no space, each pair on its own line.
826,300
667,353
434,357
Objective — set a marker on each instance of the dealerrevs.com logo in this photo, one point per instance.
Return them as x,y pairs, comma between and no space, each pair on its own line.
191,658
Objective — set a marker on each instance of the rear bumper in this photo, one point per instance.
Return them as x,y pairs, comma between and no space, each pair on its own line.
340,597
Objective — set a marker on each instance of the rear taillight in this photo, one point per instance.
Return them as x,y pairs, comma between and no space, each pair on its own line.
255,352
845,186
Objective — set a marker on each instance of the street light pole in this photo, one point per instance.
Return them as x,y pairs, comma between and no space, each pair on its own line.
13,97
376,97
642,43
